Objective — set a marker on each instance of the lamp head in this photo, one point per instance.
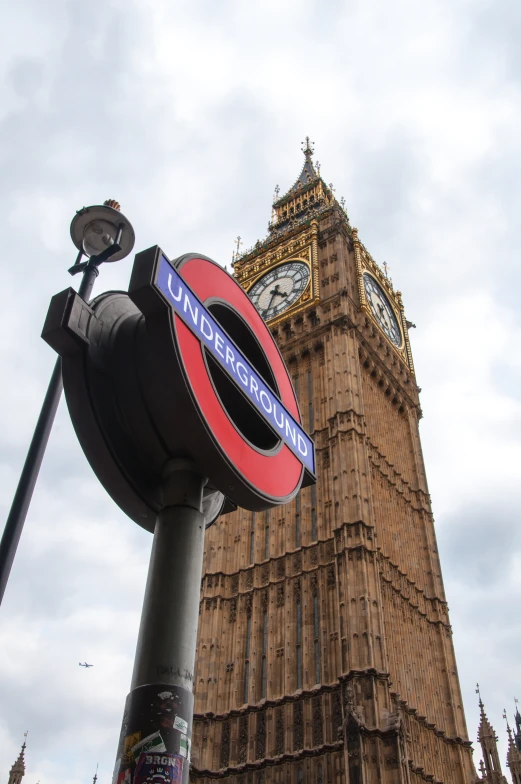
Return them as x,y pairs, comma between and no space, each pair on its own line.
94,229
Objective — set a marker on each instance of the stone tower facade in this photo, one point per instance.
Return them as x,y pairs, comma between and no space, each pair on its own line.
325,652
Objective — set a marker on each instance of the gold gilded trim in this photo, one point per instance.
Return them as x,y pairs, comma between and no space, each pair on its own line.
302,248
395,310
405,331
364,262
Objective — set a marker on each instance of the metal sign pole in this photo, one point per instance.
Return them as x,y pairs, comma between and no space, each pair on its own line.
24,491
157,723
85,227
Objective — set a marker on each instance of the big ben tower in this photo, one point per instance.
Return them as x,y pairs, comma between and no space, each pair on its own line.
325,653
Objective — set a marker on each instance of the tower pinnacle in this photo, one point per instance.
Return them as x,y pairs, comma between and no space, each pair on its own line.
517,733
513,758
308,150
488,740
18,770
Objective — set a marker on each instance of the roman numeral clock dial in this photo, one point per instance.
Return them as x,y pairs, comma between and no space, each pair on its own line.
279,289
382,310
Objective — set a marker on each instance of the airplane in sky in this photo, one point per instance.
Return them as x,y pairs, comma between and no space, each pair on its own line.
85,665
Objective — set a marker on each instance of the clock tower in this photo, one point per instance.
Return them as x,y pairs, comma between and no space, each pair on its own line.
325,652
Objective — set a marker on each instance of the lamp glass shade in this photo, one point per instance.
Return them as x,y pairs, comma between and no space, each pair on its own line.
94,229
98,235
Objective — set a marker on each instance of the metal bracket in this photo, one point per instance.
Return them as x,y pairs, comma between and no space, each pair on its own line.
68,319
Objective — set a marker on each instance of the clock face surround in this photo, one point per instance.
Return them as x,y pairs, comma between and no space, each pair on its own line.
382,310
280,288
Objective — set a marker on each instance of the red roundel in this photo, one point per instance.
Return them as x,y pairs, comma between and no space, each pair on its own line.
277,474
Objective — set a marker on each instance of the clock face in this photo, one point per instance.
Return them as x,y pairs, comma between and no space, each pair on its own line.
382,310
280,288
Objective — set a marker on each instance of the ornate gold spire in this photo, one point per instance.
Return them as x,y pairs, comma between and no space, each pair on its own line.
308,174
308,196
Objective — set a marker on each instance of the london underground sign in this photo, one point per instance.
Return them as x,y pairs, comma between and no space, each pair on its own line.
201,322
184,408
181,366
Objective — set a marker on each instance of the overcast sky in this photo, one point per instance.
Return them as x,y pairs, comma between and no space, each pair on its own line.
189,114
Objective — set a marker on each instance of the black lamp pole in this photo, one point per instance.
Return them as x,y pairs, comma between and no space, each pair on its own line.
23,495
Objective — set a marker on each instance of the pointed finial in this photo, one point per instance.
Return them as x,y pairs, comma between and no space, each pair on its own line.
276,194
94,780
112,203
343,203
330,186
317,167
386,269
308,149
236,254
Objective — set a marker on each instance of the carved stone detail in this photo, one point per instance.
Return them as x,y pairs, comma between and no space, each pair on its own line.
336,711
243,739
260,736
279,731
225,745
318,722
281,593
298,726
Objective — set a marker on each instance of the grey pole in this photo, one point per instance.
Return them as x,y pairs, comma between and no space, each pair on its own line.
24,491
157,722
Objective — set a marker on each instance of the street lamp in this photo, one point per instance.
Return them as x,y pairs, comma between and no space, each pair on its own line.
100,233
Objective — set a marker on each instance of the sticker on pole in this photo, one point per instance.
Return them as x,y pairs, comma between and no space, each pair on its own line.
159,769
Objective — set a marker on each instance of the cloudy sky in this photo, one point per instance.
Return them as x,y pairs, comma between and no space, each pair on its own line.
189,114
